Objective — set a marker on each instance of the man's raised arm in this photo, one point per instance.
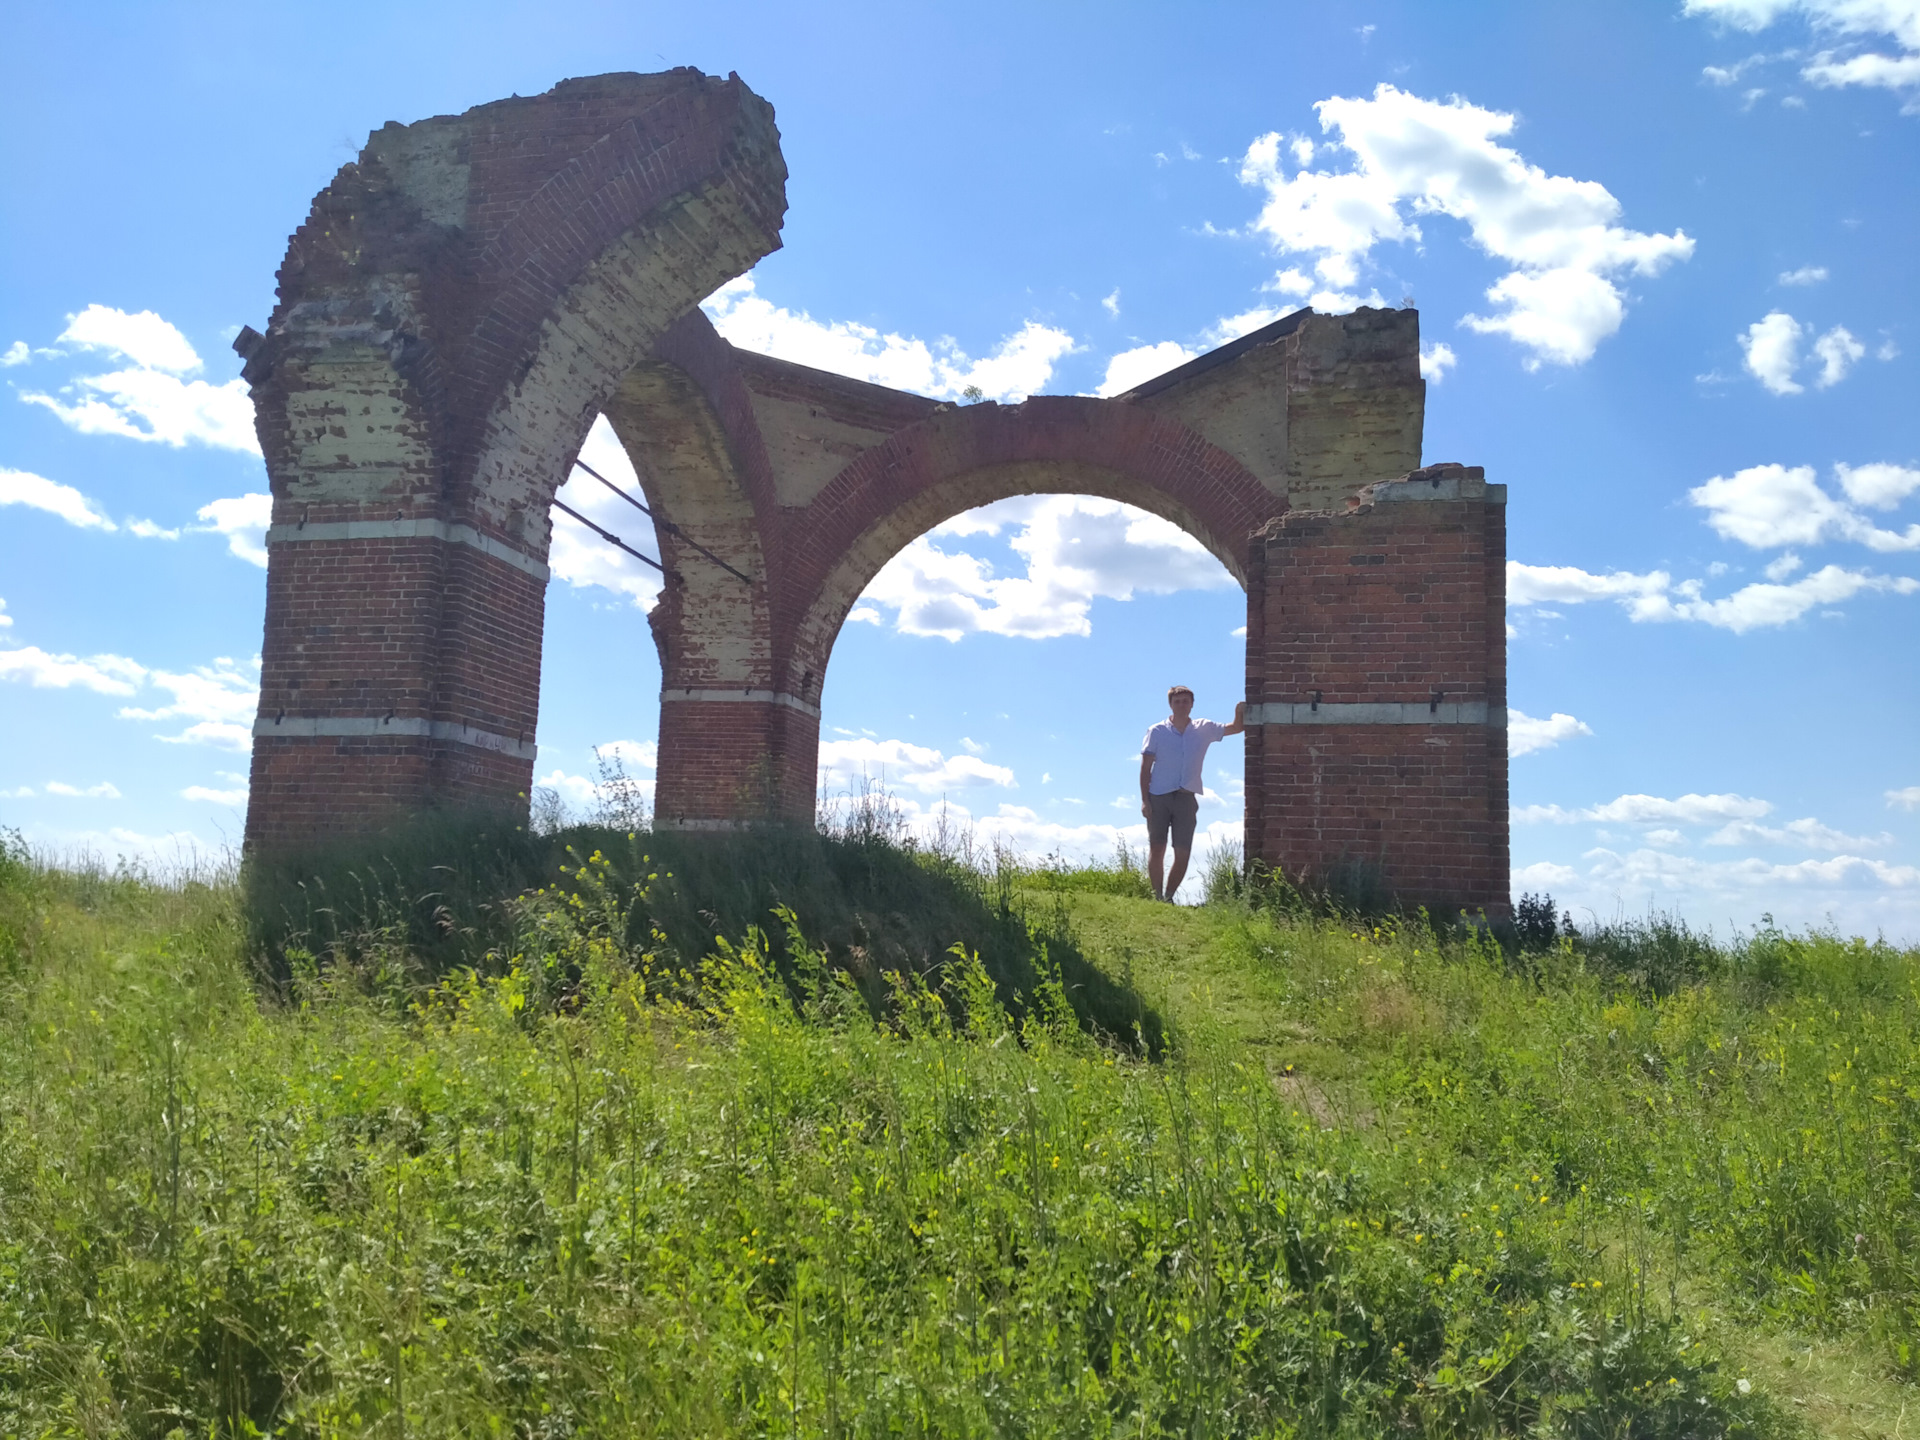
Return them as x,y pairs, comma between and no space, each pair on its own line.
1239,720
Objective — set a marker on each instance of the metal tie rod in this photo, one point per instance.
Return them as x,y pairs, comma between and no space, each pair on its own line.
662,522
611,538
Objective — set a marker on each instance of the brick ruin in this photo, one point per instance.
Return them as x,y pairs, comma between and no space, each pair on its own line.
468,295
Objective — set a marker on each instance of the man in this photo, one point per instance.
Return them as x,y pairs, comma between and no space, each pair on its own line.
1170,789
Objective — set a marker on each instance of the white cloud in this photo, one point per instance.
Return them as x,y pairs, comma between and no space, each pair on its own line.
224,694
1112,303
234,797
1411,157
640,754
1133,367
1772,347
974,747
142,337
1864,895
16,354
1852,21
5,619
846,766
103,791
150,530
1907,799
1838,351
1076,548
1019,366
1435,360
1805,275
222,697
1570,585
148,399
1765,506
104,674
1655,596
1808,834
1881,486
1525,735
36,492
243,519
582,558
1688,809
223,735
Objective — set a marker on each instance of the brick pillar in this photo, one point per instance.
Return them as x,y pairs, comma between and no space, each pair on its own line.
729,758
1377,690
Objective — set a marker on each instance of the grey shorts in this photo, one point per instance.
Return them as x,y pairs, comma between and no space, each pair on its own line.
1178,809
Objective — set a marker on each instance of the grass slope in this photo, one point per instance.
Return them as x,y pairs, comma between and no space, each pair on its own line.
1375,1186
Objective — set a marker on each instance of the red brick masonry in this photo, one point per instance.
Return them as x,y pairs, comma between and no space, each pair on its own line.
471,292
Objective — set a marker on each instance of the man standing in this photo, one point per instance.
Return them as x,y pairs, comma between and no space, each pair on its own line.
1170,789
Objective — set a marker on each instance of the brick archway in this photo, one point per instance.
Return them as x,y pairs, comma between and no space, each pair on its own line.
959,459
470,293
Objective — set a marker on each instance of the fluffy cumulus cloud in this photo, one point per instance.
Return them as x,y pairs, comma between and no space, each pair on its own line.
1770,506
35,492
1020,365
105,790
1649,868
1407,157
1609,882
232,794
1435,360
1860,34
1772,347
952,828
1076,549
621,789
1135,367
584,559
150,394
1525,734
243,519
219,700
852,766
1656,596
1907,799
1651,810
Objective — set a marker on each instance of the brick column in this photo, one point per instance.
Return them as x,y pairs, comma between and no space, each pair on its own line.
1376,682
729,758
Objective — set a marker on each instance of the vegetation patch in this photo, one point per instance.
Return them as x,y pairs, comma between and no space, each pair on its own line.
1379,1182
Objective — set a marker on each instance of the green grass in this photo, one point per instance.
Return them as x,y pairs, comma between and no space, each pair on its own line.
604,1183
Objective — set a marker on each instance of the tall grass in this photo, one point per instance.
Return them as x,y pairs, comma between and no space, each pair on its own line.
680,1202
1382,1180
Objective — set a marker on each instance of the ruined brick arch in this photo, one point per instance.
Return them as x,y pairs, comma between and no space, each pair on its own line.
961,459
463,300
472,291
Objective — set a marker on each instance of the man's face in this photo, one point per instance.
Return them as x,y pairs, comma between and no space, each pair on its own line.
1180,702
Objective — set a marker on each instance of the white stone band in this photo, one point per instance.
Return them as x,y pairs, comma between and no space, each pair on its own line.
1446,712
407,530
352,726
762,697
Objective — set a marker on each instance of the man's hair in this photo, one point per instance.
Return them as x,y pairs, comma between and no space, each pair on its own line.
1173,690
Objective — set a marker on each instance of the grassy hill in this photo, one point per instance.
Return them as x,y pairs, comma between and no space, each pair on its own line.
432,1159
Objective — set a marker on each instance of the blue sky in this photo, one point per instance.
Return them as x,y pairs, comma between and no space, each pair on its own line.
1662,254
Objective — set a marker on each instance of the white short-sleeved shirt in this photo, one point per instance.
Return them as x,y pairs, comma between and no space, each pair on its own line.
1177,755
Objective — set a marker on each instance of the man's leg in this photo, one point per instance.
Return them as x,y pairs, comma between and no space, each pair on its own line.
1156,861
1185,806
1174,878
